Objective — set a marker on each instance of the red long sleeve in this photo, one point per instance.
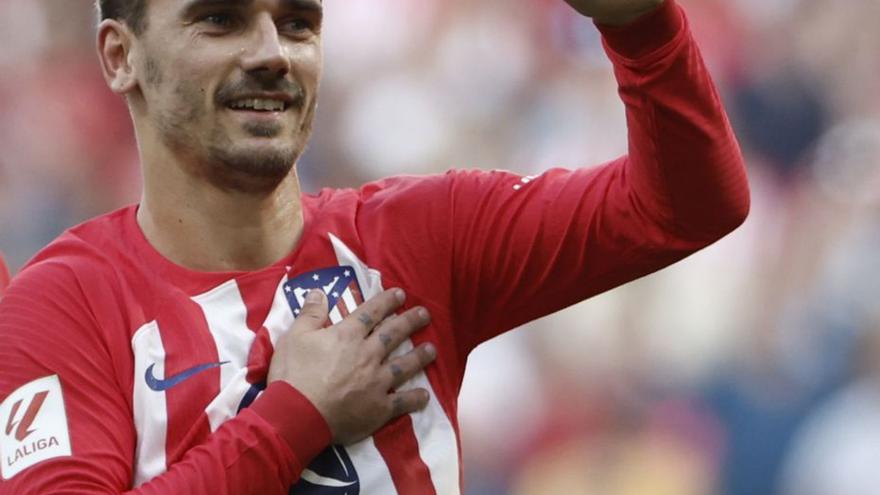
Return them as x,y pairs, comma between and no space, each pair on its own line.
518,248
684,166
47,332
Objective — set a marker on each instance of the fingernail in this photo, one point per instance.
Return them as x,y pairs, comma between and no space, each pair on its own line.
431,350
400,295
315,296
423,314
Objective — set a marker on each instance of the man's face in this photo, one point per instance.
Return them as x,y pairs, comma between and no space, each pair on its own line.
231,85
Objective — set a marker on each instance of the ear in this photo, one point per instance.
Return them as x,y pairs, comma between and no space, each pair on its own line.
115,41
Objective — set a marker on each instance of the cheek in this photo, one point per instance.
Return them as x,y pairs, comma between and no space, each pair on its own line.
190,100
154,75
193,74
309,64
179,100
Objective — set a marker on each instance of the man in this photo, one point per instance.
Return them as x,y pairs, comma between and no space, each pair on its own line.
176,346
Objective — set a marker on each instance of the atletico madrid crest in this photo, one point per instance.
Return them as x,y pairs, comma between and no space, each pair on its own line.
339,283
332,472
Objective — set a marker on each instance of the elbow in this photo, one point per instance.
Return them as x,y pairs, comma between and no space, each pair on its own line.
739,212
725,216
737,203
719,202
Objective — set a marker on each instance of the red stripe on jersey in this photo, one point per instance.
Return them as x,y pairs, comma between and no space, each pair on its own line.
259,357
356,293
399,448
258,293
343,309
188,343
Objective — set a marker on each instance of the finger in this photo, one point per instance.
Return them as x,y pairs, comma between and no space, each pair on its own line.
392,332
403,368
314,312
387,320
408,401
369,314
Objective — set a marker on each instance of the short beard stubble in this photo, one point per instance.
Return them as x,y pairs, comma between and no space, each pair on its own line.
215,157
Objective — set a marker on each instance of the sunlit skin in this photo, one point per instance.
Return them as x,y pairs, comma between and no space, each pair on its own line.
220,186
221,178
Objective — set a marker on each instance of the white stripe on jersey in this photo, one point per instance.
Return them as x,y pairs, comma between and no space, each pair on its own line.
226,315
150,412
280,319
438,444
369,279
349,299
335,316
371,468
225,406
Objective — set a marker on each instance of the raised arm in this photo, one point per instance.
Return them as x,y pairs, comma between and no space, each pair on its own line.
526,247
614,12
684,169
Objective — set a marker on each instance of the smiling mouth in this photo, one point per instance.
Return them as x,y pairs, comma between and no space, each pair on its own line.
259,105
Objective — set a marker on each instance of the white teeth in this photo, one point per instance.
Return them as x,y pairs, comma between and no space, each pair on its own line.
258,104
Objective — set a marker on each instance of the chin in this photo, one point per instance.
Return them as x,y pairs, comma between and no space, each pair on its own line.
252,169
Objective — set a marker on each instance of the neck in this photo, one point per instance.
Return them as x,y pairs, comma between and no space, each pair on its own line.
203,228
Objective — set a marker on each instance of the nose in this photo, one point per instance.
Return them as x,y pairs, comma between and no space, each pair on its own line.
266,52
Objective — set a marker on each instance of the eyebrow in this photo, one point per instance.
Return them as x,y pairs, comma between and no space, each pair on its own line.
195,5
316,5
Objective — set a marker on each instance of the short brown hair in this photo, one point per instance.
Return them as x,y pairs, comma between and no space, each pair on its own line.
132,12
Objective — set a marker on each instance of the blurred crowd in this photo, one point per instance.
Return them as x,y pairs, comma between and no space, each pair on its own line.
752,368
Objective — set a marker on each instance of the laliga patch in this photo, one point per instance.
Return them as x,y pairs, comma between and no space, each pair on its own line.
338,282
34,426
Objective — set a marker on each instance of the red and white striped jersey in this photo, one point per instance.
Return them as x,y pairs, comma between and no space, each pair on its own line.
123,372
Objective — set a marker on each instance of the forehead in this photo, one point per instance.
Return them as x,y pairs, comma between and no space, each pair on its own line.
177,7
267,4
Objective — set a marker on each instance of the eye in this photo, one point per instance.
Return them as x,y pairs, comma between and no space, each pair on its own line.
297,26
219,20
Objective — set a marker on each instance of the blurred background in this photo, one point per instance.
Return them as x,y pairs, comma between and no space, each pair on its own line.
751,368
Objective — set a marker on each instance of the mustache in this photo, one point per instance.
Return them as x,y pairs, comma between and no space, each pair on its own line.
252,83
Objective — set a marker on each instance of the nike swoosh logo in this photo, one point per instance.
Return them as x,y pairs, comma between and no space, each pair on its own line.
159,385
316,479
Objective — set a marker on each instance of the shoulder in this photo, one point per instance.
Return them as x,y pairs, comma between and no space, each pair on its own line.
73,269
415,187
448,183
415,204
435,193
386,199
405,184
378,190
86,245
